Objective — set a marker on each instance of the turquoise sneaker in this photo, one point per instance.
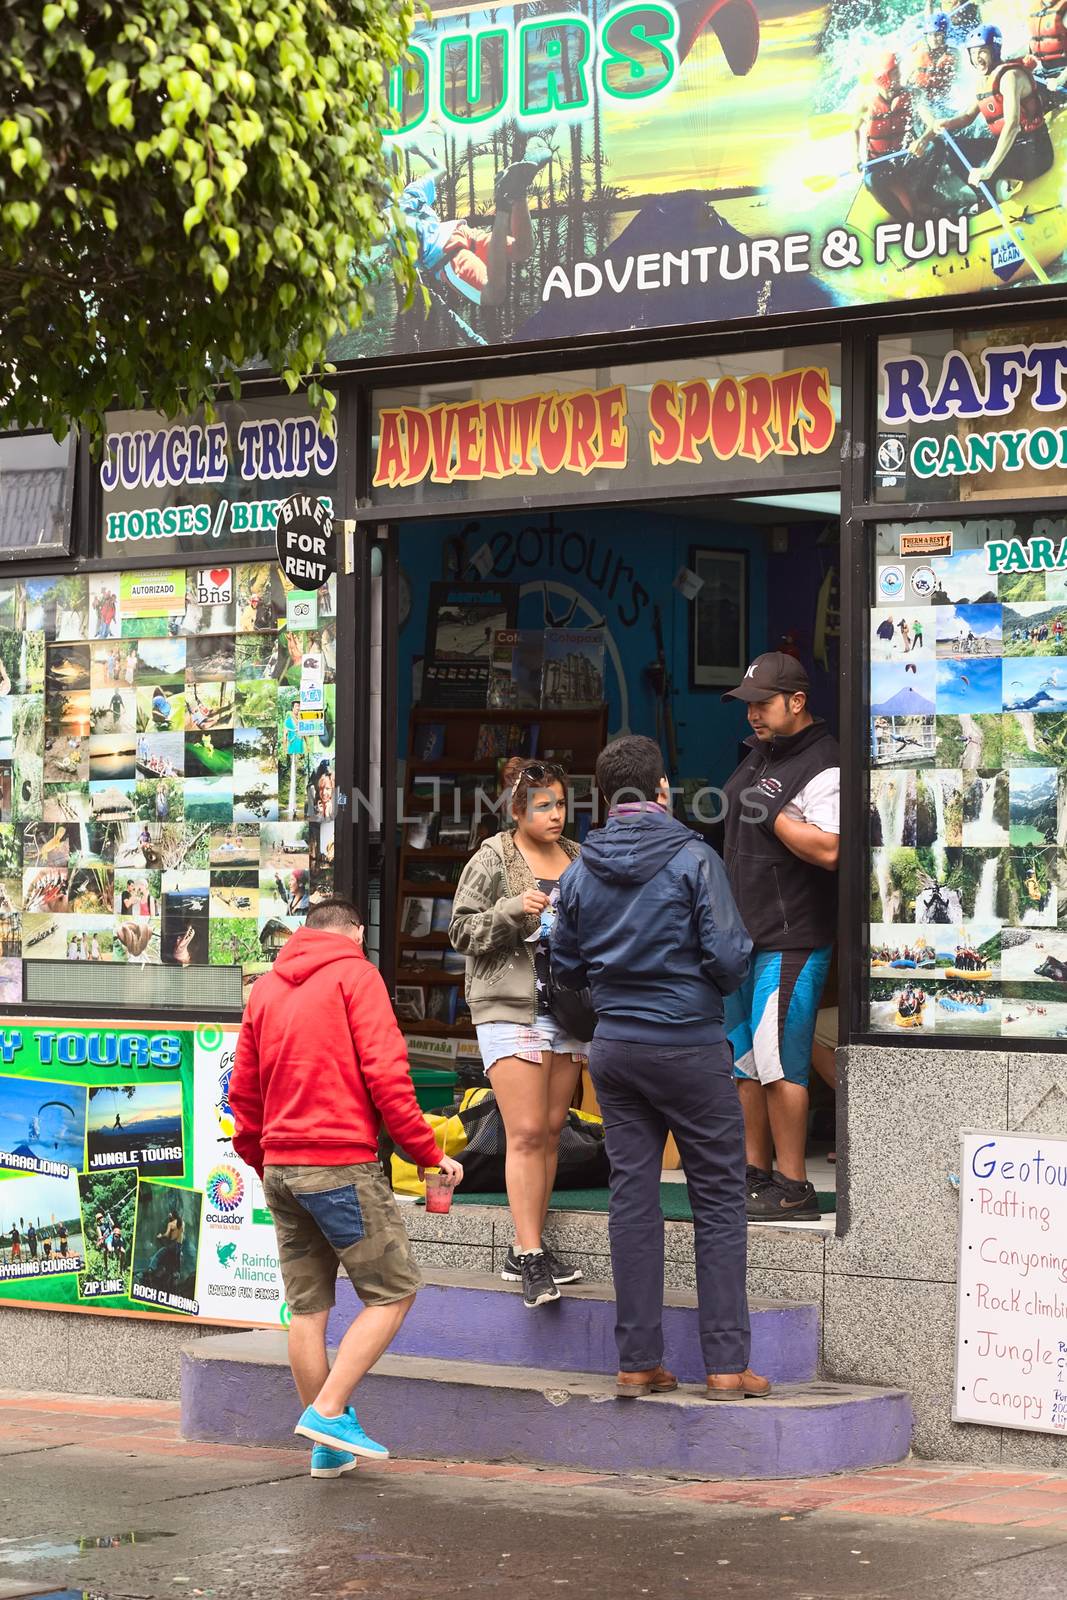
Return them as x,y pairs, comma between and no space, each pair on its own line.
328,1463
340,1433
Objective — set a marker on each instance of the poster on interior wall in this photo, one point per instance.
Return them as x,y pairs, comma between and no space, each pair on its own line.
620,166
968,800
119,1185
151,747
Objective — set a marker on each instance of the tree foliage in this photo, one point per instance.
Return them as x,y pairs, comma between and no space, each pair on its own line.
186,188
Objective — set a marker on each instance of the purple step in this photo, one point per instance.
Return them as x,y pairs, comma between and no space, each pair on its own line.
237,1389
476,1316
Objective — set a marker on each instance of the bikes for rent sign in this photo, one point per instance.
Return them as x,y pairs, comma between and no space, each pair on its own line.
119,1184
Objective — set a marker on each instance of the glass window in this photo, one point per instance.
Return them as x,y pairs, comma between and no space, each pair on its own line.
972,414
968,770
769,417
36,495
163,800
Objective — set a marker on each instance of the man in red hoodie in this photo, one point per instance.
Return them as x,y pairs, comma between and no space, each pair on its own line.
320,1065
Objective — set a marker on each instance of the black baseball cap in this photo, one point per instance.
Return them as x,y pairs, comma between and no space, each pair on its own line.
770,674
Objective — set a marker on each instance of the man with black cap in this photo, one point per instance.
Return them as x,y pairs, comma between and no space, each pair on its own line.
781,849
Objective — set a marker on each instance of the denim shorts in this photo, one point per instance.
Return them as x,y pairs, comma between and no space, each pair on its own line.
527,1040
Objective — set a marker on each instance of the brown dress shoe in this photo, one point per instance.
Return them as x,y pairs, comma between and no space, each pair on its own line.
628,1385
737,1386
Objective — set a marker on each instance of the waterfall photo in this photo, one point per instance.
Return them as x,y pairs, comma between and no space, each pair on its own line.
985,808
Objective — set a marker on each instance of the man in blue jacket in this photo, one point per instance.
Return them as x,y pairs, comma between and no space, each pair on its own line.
647,921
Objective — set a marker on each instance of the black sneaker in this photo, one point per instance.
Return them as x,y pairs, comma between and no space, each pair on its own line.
783,1200
537,1286
755,1180
562,1271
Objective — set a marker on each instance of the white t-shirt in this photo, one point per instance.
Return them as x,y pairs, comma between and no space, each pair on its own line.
819,802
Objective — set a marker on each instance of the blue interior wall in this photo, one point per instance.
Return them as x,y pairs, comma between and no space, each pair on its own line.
620,563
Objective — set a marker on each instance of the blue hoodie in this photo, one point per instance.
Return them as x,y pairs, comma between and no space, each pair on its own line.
647,921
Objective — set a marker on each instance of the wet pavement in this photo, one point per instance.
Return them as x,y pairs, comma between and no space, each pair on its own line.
110,1503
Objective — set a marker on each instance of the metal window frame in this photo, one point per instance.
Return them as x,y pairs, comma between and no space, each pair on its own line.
12,561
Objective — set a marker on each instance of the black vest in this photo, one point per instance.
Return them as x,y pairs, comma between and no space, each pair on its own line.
785,903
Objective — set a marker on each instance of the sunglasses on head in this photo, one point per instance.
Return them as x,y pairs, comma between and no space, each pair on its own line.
542,771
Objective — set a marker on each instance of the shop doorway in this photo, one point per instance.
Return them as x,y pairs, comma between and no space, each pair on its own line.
673,599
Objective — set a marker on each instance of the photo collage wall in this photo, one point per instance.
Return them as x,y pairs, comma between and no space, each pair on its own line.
968,795
160,801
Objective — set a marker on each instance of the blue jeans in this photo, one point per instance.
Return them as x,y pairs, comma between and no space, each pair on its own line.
644,1094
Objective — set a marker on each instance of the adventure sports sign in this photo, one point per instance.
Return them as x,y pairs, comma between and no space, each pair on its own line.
641,164
785,414
1000,382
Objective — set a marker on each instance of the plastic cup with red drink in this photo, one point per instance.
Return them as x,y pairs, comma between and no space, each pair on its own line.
439,1189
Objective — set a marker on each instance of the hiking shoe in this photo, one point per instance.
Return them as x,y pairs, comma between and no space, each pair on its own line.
783,1200
736,1386
657,1380
537,1286
343,1433
329,1463
562,1271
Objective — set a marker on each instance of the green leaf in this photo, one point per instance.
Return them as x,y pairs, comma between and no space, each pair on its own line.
220,278
51,17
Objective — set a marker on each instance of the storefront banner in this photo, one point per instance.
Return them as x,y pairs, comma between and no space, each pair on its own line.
678,162
786,414
1018,390
119,1184
169,486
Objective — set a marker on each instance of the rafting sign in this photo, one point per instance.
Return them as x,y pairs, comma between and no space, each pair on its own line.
642,164
994,383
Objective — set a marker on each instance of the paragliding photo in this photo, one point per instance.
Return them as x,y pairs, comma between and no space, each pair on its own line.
40,1227
43,1122
135,1125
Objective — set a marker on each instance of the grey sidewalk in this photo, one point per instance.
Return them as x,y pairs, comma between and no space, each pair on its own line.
81,1476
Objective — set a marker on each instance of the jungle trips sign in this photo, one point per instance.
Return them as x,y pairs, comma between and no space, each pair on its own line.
748,419
171,485
600,167
1019,391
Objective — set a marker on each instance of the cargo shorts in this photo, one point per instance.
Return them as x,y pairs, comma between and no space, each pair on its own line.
326,1215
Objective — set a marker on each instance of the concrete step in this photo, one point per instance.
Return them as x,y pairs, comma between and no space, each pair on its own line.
470,1316
236,1388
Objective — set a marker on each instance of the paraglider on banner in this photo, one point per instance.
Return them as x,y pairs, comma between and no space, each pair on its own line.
672,162
119,1184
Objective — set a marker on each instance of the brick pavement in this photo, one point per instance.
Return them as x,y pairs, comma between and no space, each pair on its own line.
935,1492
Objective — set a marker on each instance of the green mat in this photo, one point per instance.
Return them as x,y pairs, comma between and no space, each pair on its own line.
674,1198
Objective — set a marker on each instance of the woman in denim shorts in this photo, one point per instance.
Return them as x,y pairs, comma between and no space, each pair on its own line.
502,917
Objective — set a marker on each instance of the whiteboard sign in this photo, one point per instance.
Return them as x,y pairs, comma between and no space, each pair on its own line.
1011,1327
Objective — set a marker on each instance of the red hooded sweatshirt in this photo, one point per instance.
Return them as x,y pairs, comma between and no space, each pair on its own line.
321,1063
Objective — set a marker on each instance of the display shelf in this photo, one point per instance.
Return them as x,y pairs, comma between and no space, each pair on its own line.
581,732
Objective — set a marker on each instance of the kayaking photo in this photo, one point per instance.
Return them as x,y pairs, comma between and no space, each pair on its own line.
624,166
